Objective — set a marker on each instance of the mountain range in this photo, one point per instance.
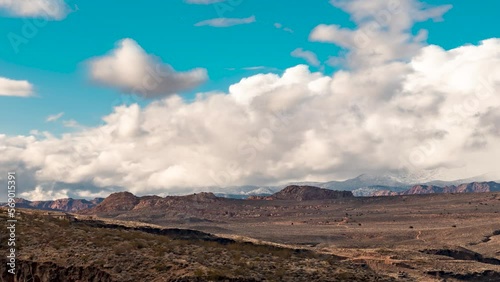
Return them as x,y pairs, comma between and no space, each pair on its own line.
473,187
66,204
364,185
361,186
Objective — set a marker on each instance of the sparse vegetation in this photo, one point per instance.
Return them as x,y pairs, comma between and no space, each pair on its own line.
134,255
376,238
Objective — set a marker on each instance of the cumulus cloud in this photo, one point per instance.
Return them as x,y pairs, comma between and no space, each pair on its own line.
383,29
129,68
431,112
226,22
48,9
309,56
18,88
52,118
41,194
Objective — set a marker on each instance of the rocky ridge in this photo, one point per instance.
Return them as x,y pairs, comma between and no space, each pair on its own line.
305,193
474,187
66,204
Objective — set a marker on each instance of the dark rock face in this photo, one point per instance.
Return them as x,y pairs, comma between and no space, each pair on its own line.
463,254
485,276
174,233
305,193
51,272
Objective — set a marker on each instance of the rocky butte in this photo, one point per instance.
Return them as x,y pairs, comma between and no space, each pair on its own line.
304,193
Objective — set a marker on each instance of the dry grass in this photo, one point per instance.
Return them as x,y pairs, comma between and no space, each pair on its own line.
131,255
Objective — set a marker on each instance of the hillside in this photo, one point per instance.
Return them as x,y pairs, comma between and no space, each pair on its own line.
105,251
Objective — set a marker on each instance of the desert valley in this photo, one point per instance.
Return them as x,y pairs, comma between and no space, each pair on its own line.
252,141
301,233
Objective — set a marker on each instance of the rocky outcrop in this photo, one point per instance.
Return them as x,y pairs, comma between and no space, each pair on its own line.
67,204
463,254
126,201
197,197
174,233
121,201
305,193
51,272
422,189
474,187
484,276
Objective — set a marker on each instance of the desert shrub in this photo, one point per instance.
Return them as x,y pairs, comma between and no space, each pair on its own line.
139,244
215,274
162,267
121,249
199,273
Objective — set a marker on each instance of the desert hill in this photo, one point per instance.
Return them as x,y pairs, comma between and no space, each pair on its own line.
126,201
105,251
474,187
305,193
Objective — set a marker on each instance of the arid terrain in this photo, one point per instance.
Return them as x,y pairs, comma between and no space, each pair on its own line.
294,237
55,249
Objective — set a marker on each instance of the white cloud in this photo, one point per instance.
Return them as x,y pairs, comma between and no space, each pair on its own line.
383,32
309,56
18,88
255,68
284,28
429,112
42,194
226,22
438,110
130,69
49,9
71,123
52,118
203,2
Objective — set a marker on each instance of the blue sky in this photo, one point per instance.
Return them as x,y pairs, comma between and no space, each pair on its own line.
238,92
53,60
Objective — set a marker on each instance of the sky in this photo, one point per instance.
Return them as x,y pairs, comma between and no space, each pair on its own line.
174,96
